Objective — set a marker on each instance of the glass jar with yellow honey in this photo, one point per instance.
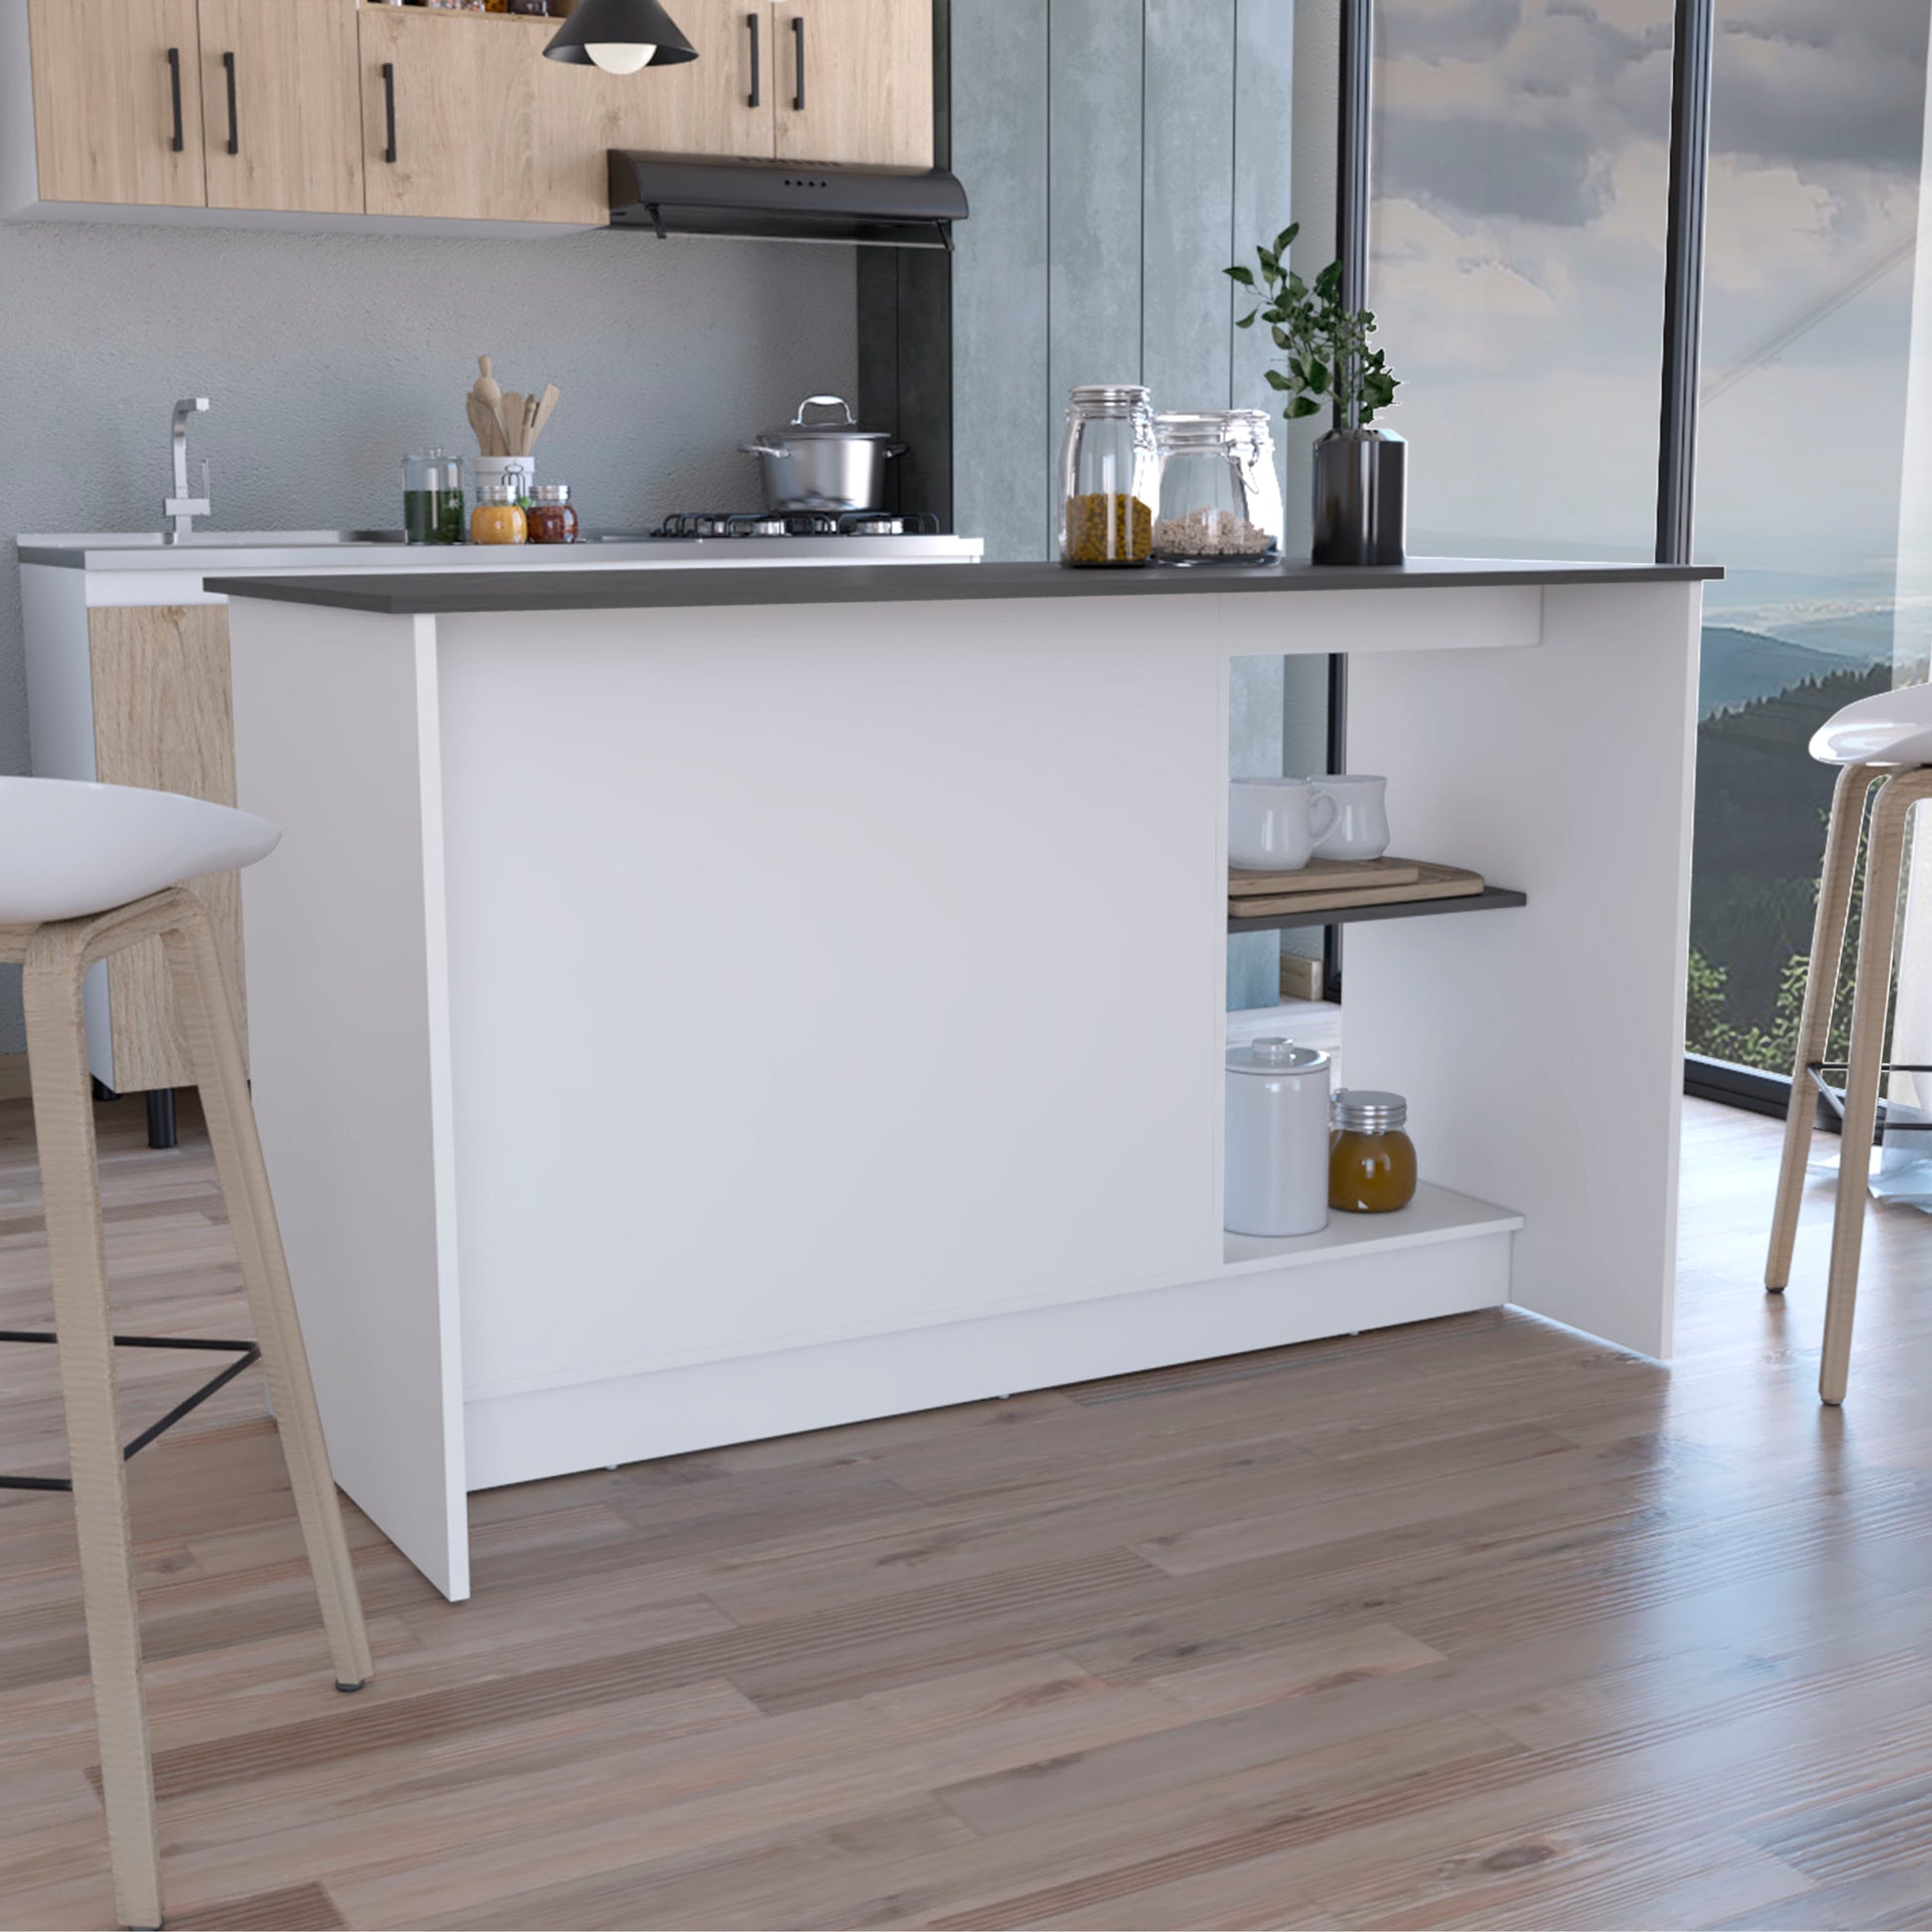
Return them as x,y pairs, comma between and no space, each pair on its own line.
1110,465
498,517
1371,1160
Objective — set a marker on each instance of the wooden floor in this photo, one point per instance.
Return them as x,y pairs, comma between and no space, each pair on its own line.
1473,1624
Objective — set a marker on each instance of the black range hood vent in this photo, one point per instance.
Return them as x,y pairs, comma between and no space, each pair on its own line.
783,200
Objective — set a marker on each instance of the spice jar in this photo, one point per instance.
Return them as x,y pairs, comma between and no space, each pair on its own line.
1109,467
553,517
497,517
1220,498
1371,1160
432,499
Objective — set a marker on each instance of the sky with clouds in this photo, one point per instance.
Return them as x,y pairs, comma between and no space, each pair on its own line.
1521,171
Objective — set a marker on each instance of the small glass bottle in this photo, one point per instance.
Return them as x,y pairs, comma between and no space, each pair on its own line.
497,517
1109,471
1371,1160
553,517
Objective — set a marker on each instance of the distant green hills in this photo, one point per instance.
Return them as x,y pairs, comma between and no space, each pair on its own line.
1760,809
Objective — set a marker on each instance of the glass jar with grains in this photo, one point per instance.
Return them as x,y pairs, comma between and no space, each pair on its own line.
1221,499
1109,464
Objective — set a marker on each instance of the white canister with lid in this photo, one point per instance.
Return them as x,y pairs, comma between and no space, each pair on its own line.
1276,1139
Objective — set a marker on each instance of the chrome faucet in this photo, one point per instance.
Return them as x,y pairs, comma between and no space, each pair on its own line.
183,507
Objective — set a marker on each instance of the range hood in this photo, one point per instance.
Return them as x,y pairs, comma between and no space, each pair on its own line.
784,200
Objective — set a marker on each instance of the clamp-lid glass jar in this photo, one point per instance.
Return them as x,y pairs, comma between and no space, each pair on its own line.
552,515
1220,498
1371,1159
1109,472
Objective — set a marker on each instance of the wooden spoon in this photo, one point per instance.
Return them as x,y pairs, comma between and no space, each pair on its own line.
546,405
492,393
512,422
484,423
528,440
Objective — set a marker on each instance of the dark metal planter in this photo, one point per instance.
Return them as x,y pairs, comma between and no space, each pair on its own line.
1361,496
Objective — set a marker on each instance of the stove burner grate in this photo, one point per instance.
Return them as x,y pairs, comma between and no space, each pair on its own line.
797,523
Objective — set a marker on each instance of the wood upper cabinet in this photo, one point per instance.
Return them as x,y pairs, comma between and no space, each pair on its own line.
282,117
854,81
117,101
721,104
483,128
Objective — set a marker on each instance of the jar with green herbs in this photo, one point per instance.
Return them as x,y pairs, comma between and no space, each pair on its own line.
1109,471
432,499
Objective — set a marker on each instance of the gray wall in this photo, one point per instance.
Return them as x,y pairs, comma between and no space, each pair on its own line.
327,356
1118,154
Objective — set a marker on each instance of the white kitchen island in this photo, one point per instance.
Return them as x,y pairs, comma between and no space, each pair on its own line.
696,1005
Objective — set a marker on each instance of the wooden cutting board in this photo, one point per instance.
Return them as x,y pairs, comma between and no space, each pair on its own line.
1324,875
1433,881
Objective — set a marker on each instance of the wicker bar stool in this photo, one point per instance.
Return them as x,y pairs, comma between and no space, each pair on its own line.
86,870
1886,741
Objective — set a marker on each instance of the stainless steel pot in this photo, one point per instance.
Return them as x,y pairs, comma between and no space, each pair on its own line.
823,466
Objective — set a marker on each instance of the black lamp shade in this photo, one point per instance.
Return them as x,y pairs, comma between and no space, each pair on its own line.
620,23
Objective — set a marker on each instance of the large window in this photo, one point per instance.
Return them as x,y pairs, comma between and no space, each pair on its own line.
1521,164
1818,116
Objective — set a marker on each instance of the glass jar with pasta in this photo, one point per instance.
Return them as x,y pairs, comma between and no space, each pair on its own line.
1109,471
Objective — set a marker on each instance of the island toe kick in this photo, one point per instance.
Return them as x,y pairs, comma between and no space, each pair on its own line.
673,1025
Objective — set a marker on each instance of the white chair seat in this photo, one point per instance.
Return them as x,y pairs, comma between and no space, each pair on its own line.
1894,728
69,849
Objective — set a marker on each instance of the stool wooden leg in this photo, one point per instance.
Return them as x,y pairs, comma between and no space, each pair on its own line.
57,1055
214,1050
1871,1003
1814,1027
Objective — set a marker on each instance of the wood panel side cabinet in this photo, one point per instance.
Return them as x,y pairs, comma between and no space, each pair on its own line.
282,119
117,101
854,80
164,718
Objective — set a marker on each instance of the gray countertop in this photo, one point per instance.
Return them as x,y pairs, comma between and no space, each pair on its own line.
452,593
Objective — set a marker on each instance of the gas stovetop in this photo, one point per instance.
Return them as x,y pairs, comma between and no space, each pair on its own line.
802,537
798,523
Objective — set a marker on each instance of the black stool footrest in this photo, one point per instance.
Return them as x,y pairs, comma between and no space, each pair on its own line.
246,1354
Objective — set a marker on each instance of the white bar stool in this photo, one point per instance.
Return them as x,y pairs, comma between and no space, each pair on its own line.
1884,740
85,871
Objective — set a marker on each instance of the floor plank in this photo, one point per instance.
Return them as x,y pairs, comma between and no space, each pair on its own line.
1469,1623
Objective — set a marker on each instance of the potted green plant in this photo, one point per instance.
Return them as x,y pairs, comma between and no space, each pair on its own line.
1360,482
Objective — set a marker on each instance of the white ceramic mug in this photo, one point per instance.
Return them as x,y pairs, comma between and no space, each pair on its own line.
1360,826
1274,823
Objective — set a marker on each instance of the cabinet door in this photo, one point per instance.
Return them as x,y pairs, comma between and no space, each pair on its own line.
483,127
164,718
283,114
855,81
720,104
117,101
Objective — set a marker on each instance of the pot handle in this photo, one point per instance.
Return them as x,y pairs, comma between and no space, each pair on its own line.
779,450
896,448
824,402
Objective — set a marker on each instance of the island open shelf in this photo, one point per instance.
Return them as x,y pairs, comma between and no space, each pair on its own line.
1490,899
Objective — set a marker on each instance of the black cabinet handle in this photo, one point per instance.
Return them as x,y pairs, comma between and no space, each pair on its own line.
174,88
751,25
234,125
798,36
389,106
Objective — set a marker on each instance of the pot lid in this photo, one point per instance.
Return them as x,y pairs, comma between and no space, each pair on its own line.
1275,1056
848,431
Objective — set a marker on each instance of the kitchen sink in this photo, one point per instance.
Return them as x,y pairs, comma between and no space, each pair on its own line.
211,539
